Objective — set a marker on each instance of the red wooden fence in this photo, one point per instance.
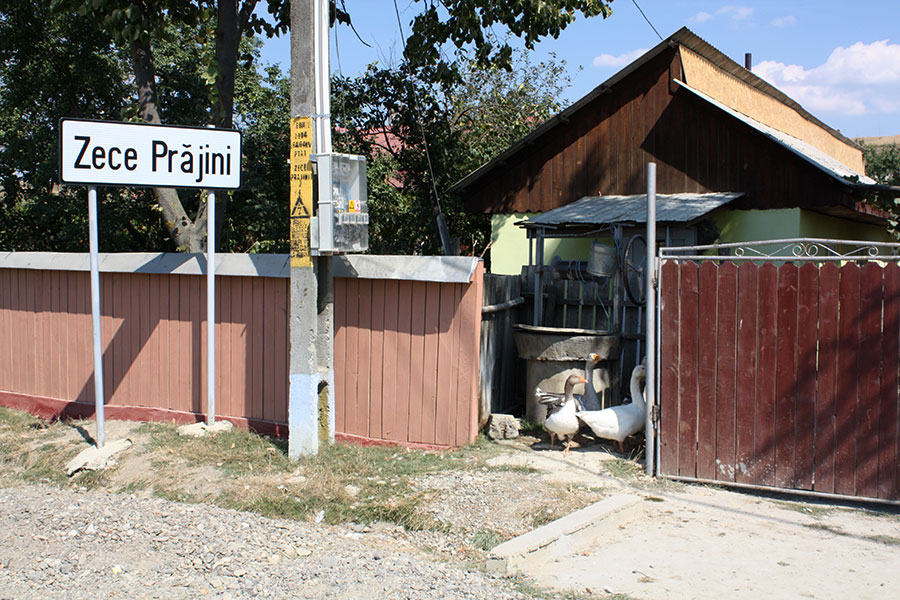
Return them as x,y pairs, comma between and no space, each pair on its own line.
782,376
406,359
154,350
406,352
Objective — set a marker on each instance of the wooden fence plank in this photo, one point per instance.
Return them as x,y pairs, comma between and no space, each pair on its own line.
417,366
687,384
786,376
726,352
7,349
460,429
470,324
825,449
247,344
707,403
764,459
390,379
237,364
41,329
846,387
430,362
404,359
364,349
376,412
445,406
807,325
869,408
257,352
888,450
669,368
280,349
352,374
85,368
340,354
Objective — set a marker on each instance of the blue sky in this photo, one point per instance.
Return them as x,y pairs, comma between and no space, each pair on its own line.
840,60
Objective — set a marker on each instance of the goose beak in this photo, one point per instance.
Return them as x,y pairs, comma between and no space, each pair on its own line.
582,380
595,357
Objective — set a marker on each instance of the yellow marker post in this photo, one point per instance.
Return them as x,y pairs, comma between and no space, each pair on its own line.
301,190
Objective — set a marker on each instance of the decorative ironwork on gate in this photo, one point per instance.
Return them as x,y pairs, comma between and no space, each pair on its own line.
794,249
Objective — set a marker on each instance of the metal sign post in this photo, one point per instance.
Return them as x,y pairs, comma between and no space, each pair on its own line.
650,392
95,315
210,308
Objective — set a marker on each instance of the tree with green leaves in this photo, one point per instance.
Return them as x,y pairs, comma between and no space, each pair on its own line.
55,65
211,32
420,138
883,165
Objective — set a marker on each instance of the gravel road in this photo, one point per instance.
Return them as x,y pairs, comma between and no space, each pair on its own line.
64,543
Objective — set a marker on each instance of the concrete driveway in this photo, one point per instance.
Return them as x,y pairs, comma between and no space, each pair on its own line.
660,541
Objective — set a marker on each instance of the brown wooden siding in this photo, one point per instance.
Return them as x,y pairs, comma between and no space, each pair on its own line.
406,360
406,352
604,148
154,350
782,376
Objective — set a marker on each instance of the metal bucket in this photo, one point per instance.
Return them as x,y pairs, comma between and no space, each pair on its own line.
603,260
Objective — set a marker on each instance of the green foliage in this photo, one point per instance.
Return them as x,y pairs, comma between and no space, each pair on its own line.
883,165
468,27
53,67
402,124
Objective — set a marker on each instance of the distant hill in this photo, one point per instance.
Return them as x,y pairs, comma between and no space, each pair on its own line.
885,140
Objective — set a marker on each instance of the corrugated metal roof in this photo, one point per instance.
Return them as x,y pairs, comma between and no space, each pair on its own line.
606,210
808,152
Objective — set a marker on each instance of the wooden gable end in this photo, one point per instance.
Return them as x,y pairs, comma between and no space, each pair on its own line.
599,149
604,146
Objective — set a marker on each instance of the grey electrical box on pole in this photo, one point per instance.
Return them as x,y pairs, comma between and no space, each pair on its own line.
342,224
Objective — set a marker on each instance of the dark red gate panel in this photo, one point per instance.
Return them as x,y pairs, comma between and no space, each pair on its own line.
782,376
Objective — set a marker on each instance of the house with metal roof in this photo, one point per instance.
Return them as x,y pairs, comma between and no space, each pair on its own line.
736,159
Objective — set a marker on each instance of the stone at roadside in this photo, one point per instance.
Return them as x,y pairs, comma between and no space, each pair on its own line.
93,458
503,427
202,429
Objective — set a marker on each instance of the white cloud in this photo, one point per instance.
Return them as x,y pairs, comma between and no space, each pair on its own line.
784,21
861,79
736,13
608,60
701,17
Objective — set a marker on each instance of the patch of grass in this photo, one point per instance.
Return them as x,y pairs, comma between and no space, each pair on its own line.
806,509
824,527
486,539
884,539
530,590
16,419
622,468
565,500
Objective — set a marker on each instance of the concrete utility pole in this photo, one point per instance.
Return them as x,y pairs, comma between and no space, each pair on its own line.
311,389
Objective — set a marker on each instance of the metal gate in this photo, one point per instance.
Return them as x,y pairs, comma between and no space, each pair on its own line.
778,366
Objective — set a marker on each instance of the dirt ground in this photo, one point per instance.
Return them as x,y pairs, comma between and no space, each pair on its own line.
702,542
691,542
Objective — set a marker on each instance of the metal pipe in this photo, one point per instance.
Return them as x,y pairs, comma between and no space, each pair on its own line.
650,328
766,488
211,308
95,316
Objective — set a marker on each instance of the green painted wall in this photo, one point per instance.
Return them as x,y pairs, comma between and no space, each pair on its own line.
509,246
749,225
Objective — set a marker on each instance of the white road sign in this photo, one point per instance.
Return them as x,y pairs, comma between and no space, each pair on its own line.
110,153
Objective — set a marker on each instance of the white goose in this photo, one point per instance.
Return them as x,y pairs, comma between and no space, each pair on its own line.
589,400
618,422
561,420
